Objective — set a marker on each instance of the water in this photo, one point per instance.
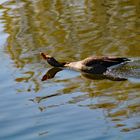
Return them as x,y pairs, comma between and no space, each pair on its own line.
68,106
127,70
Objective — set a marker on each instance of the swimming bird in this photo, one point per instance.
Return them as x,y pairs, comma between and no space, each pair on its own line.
91,65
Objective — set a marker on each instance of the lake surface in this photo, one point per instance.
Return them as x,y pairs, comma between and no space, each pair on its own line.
68,106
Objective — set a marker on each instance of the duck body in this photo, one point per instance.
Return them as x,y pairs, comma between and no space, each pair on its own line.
96,65
92,65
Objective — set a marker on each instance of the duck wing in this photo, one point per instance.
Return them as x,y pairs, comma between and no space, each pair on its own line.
104,61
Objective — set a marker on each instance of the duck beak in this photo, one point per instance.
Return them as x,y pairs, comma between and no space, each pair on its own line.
45,56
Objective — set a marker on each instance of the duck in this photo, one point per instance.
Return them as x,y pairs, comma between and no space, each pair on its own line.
91,65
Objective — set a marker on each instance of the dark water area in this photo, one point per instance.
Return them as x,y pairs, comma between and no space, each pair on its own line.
35,105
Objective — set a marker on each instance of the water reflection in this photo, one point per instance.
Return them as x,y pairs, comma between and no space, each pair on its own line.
53,71
121,106
74,29
85,27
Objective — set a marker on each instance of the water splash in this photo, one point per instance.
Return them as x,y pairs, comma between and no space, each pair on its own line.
129,70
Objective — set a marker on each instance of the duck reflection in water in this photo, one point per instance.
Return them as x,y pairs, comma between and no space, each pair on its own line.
53,71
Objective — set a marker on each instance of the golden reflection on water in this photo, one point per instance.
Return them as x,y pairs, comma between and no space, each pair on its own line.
72,30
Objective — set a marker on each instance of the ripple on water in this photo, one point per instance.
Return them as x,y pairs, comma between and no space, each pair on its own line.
129,70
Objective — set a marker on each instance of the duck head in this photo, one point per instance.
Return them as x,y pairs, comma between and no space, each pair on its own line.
52,61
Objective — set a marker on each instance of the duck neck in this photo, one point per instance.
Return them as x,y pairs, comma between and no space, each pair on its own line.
74,65
53,62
